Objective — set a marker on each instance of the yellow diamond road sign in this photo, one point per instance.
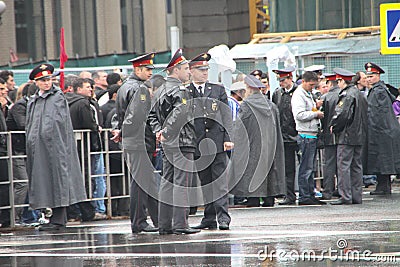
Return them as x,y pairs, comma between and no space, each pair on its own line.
390,28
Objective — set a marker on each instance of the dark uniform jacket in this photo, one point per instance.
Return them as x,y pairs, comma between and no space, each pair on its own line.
172,111
16,122
328,107
283,100
136,130
55,178
349,121
213,117
258,163
124,95
383,132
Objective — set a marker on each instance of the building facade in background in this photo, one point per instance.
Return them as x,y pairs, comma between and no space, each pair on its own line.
31,28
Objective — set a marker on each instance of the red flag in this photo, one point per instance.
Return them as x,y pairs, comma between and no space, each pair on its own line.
63,58
13,56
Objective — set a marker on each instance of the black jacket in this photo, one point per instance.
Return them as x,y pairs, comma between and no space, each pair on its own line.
83,118
16,122
124,95
328,107
136,131
213,117
106,108
173,112
349,121
283,100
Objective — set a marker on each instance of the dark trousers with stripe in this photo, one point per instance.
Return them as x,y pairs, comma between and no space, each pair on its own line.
214,182
143,190
178,175
350,173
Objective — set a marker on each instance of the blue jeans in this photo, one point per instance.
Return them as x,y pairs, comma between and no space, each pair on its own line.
308,149
99,188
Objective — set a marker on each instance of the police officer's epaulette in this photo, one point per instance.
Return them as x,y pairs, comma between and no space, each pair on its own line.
177,88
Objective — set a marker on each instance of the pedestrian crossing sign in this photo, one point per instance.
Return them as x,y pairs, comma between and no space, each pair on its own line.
390,28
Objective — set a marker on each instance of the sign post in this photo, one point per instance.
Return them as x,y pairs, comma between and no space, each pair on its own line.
390,28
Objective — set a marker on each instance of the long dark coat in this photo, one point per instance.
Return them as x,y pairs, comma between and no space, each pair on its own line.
54,172
258,165
383,142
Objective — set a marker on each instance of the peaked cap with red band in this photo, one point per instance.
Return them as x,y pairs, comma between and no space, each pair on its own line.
41,71
200,61
343,74
284,73
177,59
143,61
330,76
372,68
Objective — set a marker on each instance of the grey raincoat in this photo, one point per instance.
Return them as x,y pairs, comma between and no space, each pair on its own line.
54,172
258,165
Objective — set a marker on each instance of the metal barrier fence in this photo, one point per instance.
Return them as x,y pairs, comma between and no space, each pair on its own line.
85,163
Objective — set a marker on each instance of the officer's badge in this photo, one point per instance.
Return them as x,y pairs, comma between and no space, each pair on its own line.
43,67
184,101
340,103
142,97
214,106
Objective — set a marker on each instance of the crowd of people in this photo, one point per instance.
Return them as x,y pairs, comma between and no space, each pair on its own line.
205,143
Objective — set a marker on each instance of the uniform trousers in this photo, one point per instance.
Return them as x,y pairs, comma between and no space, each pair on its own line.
214,182
178,175
290,169
330,170
143,190
349,165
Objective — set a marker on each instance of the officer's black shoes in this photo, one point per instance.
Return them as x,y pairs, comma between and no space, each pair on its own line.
380,193
287,201
165,232
223,226
209,226
336,193
51,227
311,201
149,229
186,231
341,201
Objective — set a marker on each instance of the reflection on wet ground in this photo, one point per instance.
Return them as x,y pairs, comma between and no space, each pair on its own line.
355,235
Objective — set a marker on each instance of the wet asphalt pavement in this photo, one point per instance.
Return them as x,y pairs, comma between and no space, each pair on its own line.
349,235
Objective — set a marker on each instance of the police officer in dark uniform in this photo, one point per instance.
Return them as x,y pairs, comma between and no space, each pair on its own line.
213,123
138,142
330,148
383,132
349,126
142,71
282,97
172,120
